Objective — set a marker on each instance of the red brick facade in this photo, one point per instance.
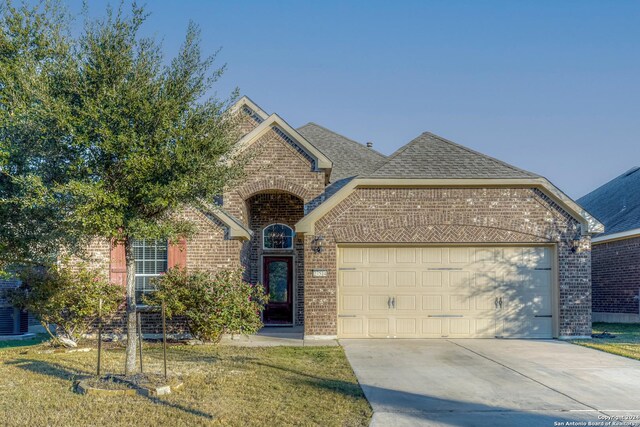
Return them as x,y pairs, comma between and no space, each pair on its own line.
282,183
276,166
616,276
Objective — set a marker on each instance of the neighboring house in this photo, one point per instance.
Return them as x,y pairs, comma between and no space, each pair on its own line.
12,320
436,240
616,252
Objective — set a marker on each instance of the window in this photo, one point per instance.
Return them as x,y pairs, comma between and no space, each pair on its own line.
278,236
151,261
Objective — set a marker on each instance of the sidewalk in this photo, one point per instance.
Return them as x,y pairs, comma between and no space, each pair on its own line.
276,336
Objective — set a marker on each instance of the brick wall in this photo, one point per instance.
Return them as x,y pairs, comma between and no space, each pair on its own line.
210,249
446,215
276,165
270,208
616,276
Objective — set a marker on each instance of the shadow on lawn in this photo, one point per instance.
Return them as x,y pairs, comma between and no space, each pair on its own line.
62,372
350,389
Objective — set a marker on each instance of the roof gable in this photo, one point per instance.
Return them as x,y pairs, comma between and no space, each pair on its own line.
287,132
617,203
431,157
250,108
349,157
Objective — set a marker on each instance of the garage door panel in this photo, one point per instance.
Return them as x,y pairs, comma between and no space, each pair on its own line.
432,279
485,302
405,303
485,327
460,279
379,326
353,303
379,279
406,255
459,303
512,256
415,292
432,302
432,255
459,255
379,256
406,327
433,328
486,255
352,327
379,302
352,255
536,258
352,279
406,279
460,327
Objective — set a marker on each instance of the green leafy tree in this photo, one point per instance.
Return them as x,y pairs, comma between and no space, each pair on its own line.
124,139
211,304
34,119
67,298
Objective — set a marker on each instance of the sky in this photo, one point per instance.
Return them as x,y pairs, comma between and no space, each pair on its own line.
552,87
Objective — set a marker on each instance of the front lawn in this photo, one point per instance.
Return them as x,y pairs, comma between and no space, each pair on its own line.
225,385
37,339
625,343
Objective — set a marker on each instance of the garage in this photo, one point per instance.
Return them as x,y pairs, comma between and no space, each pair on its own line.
445,292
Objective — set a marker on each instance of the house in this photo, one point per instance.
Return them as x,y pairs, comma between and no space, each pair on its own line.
616,252
436,240
12,320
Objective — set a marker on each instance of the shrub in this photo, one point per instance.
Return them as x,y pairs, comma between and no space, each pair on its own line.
211,304
68,299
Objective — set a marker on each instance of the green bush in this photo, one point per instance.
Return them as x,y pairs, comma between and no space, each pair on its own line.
66,298
211,304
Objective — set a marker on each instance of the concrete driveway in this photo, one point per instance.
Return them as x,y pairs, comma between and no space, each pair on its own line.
493,382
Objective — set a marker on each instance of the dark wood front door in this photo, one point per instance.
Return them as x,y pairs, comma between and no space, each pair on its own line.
278,281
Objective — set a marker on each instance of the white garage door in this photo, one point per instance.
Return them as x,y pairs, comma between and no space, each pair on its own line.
436,292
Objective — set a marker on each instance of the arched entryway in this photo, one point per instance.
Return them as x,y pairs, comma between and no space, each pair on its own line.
276,254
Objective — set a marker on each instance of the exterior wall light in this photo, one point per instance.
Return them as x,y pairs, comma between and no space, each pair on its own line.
316,244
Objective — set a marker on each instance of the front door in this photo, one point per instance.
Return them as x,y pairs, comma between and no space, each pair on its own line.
278,281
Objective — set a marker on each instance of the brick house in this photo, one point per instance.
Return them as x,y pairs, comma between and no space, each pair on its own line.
616,252
436,240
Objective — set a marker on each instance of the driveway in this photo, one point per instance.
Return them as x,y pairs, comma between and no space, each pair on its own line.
493,382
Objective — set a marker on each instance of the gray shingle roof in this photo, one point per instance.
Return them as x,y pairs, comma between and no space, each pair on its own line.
350,158
617,203
430,156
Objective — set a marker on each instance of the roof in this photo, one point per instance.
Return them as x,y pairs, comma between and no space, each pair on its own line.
350,158
616,203
237,230
431,157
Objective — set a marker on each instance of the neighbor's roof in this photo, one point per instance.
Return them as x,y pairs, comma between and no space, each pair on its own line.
350,158
430,156
617,203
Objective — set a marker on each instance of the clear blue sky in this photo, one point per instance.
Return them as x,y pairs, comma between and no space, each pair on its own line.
550,86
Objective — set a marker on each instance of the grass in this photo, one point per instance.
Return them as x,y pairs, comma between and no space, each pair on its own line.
225,385
626,342
39,338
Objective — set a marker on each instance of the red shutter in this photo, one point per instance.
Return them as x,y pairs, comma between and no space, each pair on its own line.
177,254
118,266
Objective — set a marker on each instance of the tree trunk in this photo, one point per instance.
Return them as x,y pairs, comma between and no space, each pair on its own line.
132,334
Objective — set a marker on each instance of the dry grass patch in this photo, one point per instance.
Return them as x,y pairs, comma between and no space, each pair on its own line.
625,343
223,386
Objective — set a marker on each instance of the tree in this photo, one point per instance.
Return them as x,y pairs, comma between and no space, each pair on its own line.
136,139
35,56
67,298
212,305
